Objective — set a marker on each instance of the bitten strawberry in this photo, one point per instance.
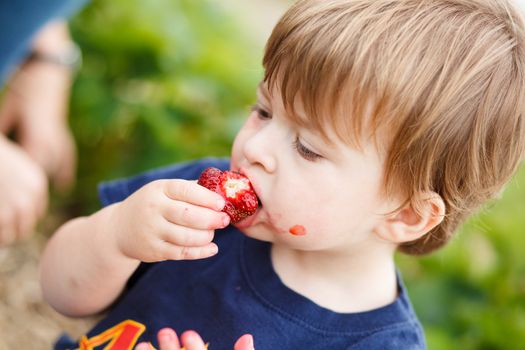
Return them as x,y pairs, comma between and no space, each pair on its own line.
235,188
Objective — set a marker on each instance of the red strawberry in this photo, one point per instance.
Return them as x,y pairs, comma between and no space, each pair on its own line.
236,189
210,178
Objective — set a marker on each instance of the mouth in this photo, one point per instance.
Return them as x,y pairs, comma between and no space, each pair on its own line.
250,219
254,184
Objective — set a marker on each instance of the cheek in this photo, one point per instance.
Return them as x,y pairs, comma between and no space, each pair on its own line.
237,147
235,154
299,209
247,130
327,218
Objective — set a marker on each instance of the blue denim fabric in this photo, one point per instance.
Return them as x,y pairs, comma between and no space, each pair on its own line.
20,20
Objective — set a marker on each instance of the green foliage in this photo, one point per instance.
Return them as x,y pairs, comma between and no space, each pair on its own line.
162,81
471,294
165,81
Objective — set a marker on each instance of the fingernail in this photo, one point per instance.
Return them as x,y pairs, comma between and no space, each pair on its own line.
166,334
220,204
189,337
248,341
244,342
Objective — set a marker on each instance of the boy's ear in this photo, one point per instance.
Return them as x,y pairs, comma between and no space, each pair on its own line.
408,225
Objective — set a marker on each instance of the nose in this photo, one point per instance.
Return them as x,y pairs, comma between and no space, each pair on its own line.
260,149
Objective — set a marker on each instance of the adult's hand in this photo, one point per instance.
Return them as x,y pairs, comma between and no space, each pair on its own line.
168,340
23,193
36,106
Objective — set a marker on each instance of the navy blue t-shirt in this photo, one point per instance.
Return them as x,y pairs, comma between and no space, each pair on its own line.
236,292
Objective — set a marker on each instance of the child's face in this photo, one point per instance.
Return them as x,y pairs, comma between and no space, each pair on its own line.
333,191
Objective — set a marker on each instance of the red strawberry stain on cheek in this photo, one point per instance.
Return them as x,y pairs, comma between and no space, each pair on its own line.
297,230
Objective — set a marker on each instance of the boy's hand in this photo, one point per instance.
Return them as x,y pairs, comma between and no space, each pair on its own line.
168,340
168,220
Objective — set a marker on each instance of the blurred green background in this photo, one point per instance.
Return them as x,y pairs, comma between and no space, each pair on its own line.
165,81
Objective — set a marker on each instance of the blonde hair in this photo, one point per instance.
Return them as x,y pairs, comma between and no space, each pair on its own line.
444,78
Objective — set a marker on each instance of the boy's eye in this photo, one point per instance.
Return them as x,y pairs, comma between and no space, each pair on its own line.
305,152
261,112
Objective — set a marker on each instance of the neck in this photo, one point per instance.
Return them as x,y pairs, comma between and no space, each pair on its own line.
360,280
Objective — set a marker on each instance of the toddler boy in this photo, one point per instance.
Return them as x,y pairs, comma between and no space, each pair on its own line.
380,125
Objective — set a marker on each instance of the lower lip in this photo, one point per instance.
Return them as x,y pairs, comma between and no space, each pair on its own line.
247,222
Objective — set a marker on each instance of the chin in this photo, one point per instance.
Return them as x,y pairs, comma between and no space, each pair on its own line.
245,229
255,233
244,224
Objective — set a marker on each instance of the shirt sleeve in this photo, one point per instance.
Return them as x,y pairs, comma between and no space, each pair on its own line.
117,190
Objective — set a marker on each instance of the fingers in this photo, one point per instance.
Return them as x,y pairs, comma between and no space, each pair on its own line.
24,202
145,346
183,243
194,206
245,342
17,220
192,341
186,214
186,236
173,252
15,223
54,150
191,192
168,339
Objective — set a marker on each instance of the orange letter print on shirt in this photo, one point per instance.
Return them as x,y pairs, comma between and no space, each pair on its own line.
123,336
